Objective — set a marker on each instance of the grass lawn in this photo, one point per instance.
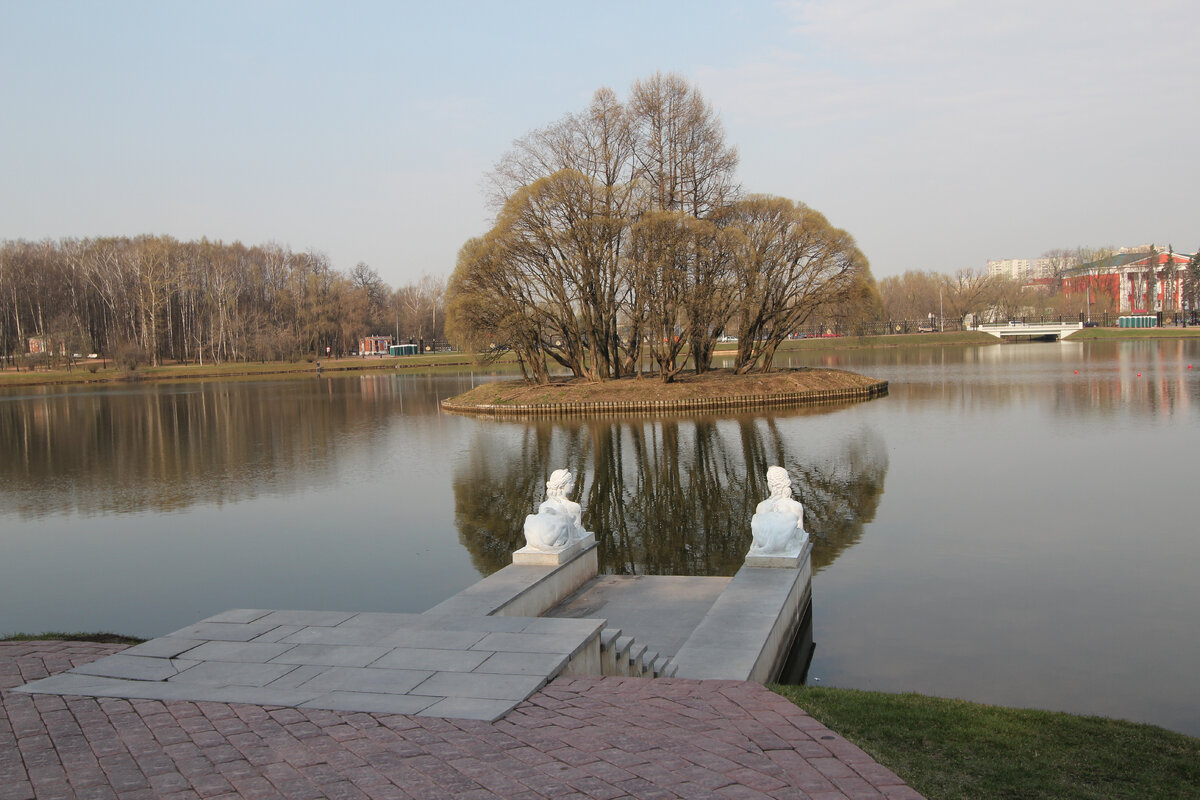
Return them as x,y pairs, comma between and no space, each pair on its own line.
1135,333
457,362
955,750
82,372
976,337
897,340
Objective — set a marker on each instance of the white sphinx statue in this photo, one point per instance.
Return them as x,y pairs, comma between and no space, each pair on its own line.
558,522
778,522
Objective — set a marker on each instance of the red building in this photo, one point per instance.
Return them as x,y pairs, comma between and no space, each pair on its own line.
374,345
1138,281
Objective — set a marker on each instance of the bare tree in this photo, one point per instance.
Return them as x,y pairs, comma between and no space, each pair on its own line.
912,295
969,291
372,292
680,150
489,310
790,261
1170,281
1149,280
1191,290
660,246
1056,262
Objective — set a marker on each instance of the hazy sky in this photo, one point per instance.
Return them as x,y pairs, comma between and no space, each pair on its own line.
939,133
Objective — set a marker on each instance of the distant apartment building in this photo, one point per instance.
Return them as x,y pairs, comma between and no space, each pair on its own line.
1015,268
1027,270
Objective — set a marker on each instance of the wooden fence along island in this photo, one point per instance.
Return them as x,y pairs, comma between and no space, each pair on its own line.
716,391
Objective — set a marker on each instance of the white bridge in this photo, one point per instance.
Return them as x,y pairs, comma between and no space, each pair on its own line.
1033,330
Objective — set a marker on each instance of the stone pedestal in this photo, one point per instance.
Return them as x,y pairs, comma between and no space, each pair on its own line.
527,556
784,560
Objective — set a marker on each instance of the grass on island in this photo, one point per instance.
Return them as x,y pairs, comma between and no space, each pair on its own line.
102,637
955,750
687,386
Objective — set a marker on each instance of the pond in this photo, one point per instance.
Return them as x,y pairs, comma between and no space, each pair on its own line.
1012,524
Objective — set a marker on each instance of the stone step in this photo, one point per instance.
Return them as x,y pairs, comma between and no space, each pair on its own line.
608,638
635,658
622,655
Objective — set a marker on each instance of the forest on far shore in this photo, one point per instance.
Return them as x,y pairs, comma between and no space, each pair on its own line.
155,299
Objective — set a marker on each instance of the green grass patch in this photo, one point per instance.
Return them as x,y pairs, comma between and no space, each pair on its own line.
430,362
952,749
1135,333
102,637
896,340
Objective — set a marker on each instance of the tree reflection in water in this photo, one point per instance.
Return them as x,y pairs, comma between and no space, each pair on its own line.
165,447
666,496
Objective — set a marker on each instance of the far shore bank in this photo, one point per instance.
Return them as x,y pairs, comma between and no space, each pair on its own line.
104,371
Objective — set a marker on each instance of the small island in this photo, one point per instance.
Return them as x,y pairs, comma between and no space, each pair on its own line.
715,390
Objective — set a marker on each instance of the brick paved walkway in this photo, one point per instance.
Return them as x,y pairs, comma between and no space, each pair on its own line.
596,738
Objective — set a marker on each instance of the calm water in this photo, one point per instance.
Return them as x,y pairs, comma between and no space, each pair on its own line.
999,528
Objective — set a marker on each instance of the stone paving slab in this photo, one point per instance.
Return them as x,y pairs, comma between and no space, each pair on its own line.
137,668
366,679
342,661
576,738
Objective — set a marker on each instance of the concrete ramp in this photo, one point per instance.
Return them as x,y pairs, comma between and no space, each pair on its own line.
660,610
422,664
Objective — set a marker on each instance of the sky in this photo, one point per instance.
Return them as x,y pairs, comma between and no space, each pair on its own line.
939,133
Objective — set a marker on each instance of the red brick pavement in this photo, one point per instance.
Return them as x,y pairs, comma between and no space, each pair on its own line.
585,738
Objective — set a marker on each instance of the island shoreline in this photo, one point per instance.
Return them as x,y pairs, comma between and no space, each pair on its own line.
717,391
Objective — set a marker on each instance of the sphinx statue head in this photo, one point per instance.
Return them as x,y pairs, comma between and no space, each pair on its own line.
561,484
779,483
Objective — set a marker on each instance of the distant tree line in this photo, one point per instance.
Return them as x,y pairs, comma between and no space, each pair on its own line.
967,293
156,299
622,238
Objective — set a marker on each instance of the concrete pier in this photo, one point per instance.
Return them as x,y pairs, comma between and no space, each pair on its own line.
475,655
748,632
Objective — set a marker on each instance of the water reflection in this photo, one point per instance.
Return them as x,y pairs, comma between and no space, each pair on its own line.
1035,515
165,447
667,496
1138,377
